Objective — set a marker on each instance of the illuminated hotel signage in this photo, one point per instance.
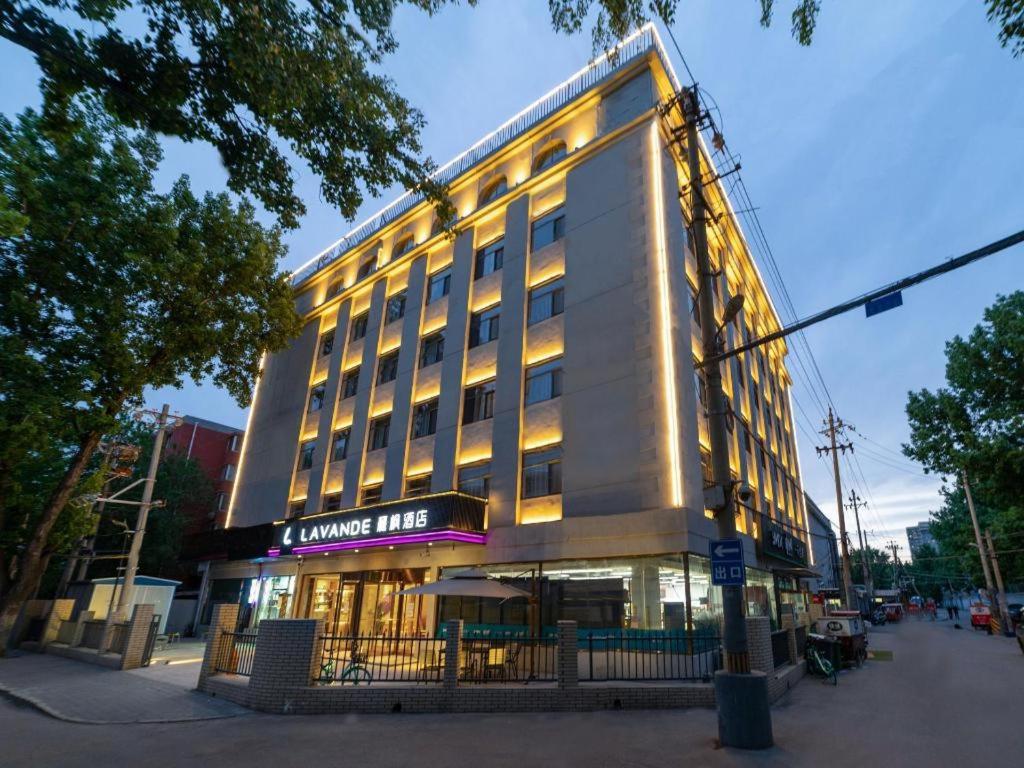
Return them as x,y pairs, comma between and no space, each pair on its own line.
450,516
776,541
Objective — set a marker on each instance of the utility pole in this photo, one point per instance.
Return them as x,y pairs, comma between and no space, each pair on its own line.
977,532
125,598
1004,611
744,715
834,425
895,562
856,502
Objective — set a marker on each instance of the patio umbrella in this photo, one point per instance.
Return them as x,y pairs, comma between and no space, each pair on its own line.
472,582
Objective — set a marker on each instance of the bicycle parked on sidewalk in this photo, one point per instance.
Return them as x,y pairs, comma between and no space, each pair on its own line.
818,665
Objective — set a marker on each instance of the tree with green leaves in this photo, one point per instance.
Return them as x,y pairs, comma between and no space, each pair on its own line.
108,288
976,424
615,18
879,565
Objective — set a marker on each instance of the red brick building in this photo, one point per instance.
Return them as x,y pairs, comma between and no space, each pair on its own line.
216,448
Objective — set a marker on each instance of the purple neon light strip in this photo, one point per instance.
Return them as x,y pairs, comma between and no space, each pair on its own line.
410,538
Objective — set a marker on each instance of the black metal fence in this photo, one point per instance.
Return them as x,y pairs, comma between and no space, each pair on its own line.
237,653
801,641
508,660
780,648
365,660
669,656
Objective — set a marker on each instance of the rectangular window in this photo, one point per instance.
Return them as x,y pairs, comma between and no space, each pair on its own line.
350,383
297,509
371,494
542,472
432,349
483,326
424,419
475,479
316,398
379,429
222,501
740,374
747,442
548,229
706,471
229,472
701,387
306,455
339,448
478,402
396,307
234,442
417,486
546,301
359,326
326,343
367,268
489,259
543,382
440,285
387,367
332,502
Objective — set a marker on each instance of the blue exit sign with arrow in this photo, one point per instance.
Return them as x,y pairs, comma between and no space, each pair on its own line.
727,569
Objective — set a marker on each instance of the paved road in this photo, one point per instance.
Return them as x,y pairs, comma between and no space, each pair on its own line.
948,698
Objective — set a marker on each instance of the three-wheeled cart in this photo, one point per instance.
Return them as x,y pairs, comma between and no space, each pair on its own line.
981,616
846,627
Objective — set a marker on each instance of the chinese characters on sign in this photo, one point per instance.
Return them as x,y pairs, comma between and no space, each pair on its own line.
727,568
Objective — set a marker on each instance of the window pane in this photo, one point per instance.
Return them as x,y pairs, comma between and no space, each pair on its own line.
547,229
359,326
396,307
340,449
424,420
316,398
417,486
387,368
432,349
546,301
489,259
350,383
327,343
440,284
543,382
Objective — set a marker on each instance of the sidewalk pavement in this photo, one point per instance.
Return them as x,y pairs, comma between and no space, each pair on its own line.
82,693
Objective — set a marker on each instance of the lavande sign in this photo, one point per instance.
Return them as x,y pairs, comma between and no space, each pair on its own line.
450,516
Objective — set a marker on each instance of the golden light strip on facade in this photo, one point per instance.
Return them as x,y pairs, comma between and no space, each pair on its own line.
245,442
665,321
649,27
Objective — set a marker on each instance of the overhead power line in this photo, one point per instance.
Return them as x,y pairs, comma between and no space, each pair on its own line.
907,282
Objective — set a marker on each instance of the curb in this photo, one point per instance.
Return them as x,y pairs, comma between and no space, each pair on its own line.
56,714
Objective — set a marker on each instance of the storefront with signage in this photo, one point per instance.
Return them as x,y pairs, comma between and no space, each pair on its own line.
786,548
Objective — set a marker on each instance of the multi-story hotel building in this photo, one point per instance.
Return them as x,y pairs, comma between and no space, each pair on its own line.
522,396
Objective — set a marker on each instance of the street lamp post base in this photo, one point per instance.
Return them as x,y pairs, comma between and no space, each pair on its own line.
744,714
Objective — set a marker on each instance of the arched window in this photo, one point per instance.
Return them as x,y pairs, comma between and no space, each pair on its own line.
549,156
493,191
404,245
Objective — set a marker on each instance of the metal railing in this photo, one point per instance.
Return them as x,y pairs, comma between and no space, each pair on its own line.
780,648
634,47
365,660
92,633
801,641
508,660
237,652
663,656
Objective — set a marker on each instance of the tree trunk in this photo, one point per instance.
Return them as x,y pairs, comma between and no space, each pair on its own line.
32,562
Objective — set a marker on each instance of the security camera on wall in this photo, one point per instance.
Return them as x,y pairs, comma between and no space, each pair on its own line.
744,493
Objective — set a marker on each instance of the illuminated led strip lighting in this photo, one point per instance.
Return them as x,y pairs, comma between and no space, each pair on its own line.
394,209
667,354
245,442
463,537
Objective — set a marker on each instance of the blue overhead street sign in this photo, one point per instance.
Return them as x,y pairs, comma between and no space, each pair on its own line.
727,563
883,303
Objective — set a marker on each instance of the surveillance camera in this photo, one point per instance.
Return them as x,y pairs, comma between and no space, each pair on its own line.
744,493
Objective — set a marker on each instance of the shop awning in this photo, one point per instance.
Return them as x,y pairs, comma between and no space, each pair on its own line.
469,583
797,573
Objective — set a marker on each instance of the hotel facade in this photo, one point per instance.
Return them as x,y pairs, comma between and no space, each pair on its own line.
521,396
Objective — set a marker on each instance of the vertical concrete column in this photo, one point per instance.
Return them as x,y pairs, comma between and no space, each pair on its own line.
789,624
59,613
287,659
224,619
83,616
453,635
645,592
408,354
138,634
759,643
446,441
508,393
325,430
361,412
568,655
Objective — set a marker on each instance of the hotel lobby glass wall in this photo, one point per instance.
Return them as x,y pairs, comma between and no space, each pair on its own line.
367,603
